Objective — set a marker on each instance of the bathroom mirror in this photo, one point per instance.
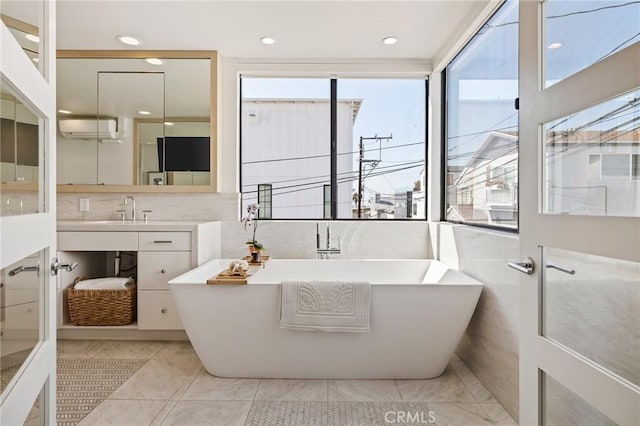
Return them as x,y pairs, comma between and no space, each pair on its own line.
20,156
144,121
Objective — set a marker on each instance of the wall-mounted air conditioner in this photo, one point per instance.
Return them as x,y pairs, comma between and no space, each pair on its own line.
87,128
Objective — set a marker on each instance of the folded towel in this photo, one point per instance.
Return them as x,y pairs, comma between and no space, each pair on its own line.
115,283
325,305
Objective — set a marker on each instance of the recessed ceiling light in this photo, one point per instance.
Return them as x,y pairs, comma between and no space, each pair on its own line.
32,37
168,123
390,40
144,112
267,40
64,111
36,60
129,40
555,45
154,61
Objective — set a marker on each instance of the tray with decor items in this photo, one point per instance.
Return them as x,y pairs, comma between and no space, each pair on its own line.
237,278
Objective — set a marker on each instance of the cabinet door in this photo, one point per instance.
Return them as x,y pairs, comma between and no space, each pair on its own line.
157,267
156,311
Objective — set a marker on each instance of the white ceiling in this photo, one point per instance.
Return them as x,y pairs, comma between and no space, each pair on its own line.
303,29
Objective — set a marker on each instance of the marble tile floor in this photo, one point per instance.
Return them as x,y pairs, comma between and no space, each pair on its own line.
172,388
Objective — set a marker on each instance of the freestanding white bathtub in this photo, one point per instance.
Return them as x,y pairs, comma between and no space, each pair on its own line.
419,311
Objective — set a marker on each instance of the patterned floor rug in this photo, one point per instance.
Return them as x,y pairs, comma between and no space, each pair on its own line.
314,413
85,383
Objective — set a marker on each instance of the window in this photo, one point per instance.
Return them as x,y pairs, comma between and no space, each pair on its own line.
264,201
481,143
379,129
381,147
635,166
285,140
615,166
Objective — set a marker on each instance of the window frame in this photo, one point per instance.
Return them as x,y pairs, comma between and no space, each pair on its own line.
333,79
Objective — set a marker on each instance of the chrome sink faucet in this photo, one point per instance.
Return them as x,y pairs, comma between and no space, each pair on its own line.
128,198
323,253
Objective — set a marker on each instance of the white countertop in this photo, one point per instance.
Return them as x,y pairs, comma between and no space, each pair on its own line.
118,225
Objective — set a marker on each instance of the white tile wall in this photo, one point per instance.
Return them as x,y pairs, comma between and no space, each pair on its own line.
489,346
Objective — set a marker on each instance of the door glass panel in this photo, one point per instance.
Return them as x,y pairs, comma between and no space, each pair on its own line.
592,160
561,407
23,18
580,33
21,289
21,135
35,416
596,310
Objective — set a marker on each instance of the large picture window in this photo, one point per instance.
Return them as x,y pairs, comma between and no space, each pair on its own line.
334,149
481,149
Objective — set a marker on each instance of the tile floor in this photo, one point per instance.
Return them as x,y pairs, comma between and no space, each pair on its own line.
172,388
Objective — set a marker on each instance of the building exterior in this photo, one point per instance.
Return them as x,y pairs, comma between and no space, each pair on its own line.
286,157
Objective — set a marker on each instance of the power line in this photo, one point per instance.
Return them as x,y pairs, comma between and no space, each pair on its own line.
325,177
326,155
341,180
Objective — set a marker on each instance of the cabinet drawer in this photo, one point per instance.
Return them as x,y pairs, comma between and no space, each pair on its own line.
156,311
157,267
165,241
97,241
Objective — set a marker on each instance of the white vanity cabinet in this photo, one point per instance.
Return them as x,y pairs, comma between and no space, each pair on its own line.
163,251
162,256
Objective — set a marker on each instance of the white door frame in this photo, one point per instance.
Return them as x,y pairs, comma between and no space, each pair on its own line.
23,235
603,236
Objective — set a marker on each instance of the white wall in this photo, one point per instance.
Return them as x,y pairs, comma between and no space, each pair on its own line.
489,346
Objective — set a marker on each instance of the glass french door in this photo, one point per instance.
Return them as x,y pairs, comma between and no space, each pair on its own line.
579,212
27,213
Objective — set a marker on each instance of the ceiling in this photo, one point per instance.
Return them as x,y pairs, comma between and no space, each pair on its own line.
302,29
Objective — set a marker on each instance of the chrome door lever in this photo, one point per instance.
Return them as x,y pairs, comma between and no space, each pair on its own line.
526,266
561,268
16,271
56,266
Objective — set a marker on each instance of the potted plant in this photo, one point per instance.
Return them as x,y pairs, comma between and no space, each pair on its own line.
248,221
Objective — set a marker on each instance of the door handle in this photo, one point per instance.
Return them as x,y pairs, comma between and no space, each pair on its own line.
561,268
527,266
16,271
56,266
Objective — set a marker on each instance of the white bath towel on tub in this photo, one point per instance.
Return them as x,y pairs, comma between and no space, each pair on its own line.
325,305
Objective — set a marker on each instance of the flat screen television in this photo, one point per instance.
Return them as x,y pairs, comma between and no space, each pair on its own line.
184,154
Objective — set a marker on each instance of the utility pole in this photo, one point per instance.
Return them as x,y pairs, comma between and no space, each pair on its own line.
362,161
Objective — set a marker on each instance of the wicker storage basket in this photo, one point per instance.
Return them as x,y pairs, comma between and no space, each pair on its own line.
102,307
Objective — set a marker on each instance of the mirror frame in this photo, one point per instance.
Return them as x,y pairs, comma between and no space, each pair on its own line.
212,55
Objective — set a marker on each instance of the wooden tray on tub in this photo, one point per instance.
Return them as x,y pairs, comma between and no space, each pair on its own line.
226,277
